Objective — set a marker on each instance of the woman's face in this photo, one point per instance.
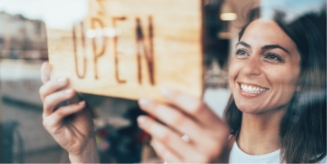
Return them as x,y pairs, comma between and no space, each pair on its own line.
264,69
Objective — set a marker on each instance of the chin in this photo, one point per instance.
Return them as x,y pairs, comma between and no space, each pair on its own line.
249,108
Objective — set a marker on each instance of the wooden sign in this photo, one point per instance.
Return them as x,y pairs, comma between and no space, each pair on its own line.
132,48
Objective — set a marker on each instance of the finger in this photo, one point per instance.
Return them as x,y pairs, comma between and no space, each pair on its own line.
45,72
192,106
173,118
164,153
173,143
51,101
55,118
52,86
182,123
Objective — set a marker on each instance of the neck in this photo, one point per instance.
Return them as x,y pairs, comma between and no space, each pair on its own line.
259,133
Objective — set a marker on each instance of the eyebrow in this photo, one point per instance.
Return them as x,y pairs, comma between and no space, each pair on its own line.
272,46
266,47
244,44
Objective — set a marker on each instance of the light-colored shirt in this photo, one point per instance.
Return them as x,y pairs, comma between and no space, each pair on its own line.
238,156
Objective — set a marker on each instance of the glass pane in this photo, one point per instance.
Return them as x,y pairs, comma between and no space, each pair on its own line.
259,65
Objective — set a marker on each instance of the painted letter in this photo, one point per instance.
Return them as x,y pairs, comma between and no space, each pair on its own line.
115,50
82,75
103,50
149,54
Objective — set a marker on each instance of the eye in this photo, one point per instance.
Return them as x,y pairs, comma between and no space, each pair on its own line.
273,57
241,53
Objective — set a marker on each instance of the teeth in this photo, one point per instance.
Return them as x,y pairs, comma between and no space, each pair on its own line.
252,89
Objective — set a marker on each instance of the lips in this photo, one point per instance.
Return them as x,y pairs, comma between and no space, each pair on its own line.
252,89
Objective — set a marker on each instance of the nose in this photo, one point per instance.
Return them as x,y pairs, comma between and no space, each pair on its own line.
252,66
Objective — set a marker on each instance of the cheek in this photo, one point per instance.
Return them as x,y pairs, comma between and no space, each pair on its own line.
285,77
283,82
234,69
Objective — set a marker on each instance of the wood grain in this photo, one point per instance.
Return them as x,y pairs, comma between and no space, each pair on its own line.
134,39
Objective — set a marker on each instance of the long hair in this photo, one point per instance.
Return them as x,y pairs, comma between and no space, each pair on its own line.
303,127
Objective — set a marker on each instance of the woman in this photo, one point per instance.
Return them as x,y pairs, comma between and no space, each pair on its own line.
293,83
276,112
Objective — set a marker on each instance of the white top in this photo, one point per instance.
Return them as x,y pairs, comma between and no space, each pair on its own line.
238,156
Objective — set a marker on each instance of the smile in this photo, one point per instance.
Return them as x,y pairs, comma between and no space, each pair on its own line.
252,89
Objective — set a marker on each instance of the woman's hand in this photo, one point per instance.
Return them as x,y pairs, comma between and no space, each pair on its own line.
205,135
70,124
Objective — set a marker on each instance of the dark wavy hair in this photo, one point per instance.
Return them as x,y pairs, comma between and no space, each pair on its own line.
303,127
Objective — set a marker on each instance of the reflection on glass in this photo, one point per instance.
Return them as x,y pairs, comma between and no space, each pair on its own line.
27,28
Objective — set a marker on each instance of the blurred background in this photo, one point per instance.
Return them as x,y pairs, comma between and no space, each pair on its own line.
23,48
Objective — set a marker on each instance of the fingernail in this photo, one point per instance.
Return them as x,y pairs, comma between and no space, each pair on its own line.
144,102
61,80
82,103
68,91
166,92
141,119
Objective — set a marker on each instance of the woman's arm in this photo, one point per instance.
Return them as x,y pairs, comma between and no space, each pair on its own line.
89,155
71,125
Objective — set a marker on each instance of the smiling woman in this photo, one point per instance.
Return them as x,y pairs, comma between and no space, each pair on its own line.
276,113
278,102
262,70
